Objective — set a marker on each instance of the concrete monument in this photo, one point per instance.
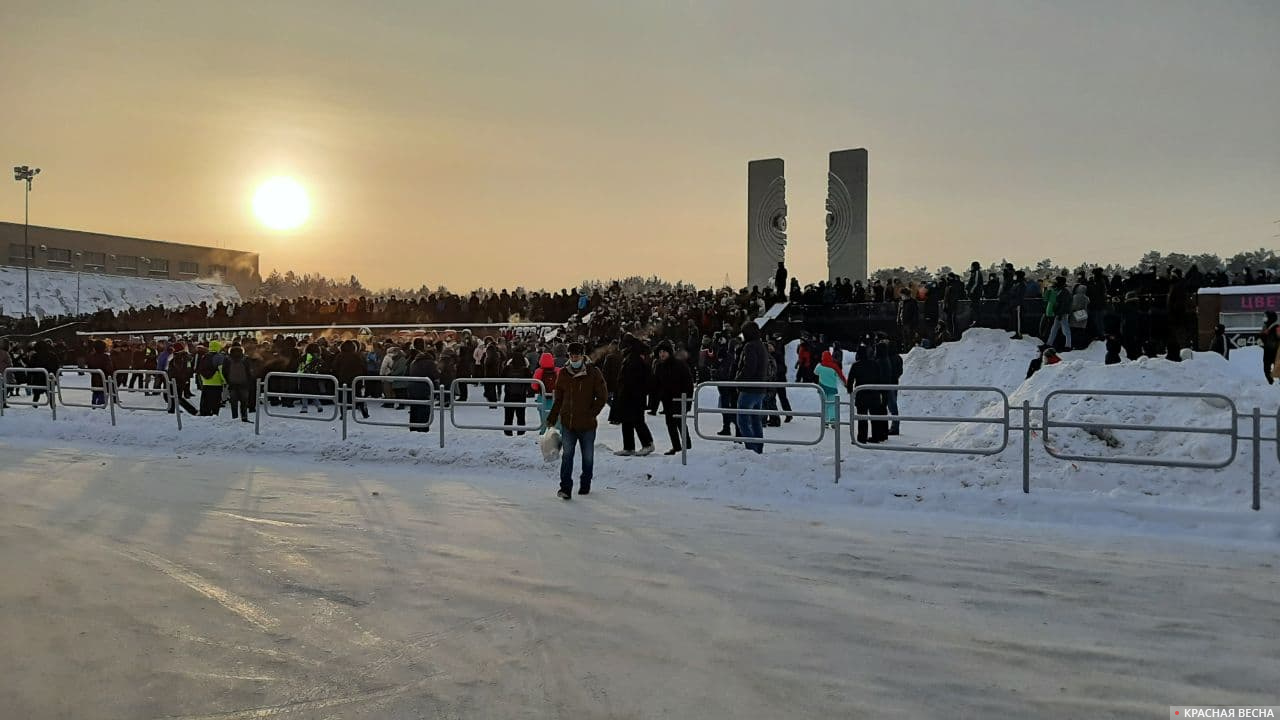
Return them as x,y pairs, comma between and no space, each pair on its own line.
766,220
847,215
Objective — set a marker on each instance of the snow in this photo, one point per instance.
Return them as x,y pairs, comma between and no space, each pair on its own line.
53,292
250,585
1212,503
294,573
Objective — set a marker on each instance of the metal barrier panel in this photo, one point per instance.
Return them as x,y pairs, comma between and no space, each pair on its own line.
699,411
92,373
265,393
7,383
168,392
1231,432
428,403
536,404
1002,421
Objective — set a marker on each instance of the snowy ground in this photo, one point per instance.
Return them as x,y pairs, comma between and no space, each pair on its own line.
53,292
250,586
215,573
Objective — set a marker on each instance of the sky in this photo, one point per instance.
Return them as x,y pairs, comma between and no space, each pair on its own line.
505,144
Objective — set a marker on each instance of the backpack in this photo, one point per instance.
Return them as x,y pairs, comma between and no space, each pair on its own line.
208,368
548,381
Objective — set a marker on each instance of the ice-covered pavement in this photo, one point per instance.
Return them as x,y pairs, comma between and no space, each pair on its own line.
143,585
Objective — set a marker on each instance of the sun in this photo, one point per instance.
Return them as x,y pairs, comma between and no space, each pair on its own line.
281,204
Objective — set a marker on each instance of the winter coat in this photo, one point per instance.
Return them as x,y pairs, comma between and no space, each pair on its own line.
348,366
423,366
493,361
227,370
546,374
100,361
866,371
1080,301
671,379
633,384
754,364
516,369
829,362
580,396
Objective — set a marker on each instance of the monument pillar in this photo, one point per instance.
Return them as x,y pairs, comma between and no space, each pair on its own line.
766,220
847,215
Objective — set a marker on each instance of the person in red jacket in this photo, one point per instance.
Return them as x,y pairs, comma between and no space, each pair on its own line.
546,374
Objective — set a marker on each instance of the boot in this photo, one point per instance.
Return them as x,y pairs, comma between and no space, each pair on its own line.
646,450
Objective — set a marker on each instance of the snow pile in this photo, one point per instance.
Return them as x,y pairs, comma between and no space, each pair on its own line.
982,357
53,292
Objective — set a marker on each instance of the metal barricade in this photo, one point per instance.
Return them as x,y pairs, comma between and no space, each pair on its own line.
353,399
535,404
168,391
699,410
1002,421
1231,432
11,380
265,394
105,390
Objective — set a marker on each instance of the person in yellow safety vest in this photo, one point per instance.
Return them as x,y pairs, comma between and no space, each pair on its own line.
210,371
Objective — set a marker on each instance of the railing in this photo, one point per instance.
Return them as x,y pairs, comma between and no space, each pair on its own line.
11,381
534,403
353,399
265,394
105,390
1001,414
168,391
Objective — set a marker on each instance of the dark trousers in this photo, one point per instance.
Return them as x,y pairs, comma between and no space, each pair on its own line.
241,397
633,425
187,407
671,412
869,403
513,413
210,399
728,401
491,392
418,414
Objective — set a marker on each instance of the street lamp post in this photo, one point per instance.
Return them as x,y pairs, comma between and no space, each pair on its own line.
22,173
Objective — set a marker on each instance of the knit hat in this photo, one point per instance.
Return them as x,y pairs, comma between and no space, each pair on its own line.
577,348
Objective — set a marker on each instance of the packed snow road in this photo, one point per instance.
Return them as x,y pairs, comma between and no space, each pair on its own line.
140,586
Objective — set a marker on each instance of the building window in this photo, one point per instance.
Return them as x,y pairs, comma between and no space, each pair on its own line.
127,264
94,261
219,270
158,267
188,268
15,253
59,256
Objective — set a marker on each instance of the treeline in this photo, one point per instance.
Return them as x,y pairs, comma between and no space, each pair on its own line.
1253,260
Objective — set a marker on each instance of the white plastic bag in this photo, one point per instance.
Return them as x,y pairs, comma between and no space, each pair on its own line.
550,445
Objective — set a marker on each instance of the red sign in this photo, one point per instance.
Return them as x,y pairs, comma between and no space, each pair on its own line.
1255,303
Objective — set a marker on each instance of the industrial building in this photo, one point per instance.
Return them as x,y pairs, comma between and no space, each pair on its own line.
101,254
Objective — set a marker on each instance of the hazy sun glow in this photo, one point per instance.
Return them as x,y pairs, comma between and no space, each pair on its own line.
281,203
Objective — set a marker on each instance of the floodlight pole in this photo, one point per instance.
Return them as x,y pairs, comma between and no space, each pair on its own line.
23,173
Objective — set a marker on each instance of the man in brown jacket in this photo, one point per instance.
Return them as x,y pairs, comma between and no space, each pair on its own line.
580,396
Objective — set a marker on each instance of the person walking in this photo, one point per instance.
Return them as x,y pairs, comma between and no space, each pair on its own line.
546,376
101,361
580,395
423,366
672,380
347,366
1057,308
517,368
238,374
633,392
209,368
752,367
830,378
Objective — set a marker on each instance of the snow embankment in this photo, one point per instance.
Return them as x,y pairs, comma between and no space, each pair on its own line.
54,292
